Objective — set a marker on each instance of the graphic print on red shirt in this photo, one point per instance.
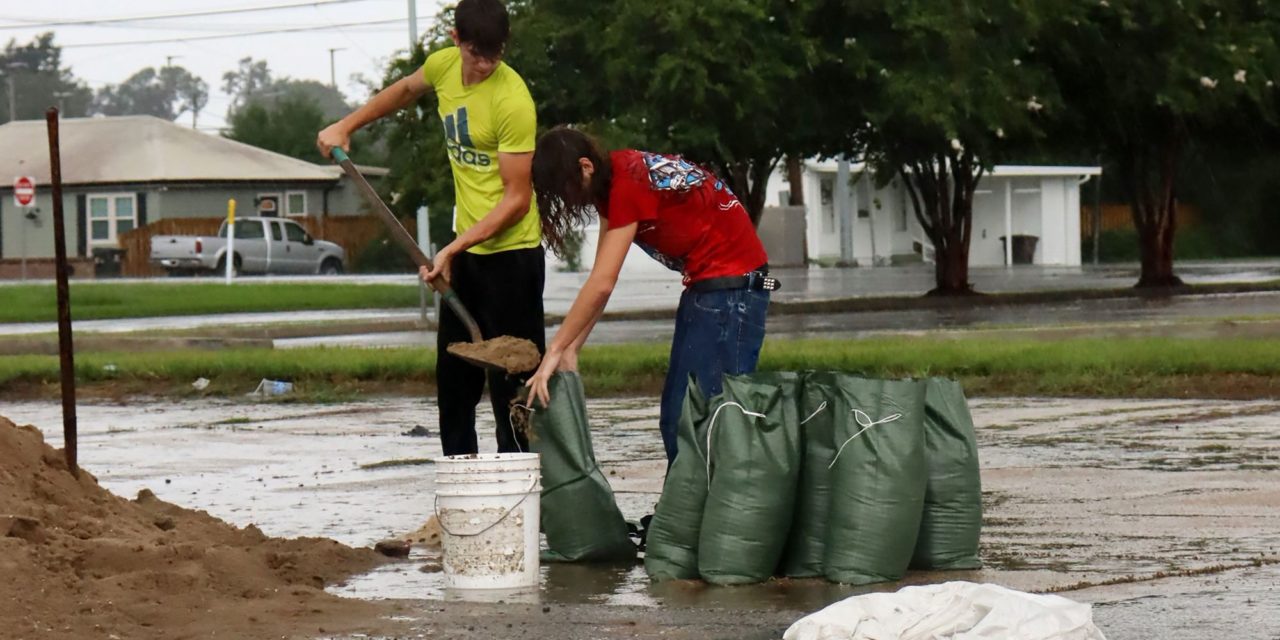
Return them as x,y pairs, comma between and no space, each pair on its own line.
688,219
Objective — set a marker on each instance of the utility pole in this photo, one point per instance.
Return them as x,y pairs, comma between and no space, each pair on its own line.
413,24
333,78
13,102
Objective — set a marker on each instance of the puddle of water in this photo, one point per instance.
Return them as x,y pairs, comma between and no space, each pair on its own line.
1078,489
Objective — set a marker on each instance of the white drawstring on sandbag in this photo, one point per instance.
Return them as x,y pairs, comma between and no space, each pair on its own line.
815,412
712,425
865,421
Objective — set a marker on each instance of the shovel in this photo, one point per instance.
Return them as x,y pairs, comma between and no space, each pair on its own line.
511,355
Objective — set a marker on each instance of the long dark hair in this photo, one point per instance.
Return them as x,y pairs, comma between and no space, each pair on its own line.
564,204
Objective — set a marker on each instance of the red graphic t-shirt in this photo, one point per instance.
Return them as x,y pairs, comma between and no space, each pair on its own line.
688,218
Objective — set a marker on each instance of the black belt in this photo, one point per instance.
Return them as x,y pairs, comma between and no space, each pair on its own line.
758,280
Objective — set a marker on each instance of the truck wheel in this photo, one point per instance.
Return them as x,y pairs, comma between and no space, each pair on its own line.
222,266
331,267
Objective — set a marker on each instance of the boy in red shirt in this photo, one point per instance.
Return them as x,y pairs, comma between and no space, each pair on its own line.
684,217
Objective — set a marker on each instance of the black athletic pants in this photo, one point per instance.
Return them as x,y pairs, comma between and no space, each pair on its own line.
503,291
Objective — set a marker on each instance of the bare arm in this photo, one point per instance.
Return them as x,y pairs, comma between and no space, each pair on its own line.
517,192
587,307
570,359
403,93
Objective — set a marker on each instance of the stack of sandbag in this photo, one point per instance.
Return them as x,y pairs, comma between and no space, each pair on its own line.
819,474
580,517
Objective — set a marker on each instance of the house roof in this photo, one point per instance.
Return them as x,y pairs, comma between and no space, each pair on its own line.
143,149
998,171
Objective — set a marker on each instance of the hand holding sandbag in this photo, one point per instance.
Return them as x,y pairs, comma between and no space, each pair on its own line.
579,514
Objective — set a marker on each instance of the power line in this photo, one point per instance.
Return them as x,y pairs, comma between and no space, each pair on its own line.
191,14
337,26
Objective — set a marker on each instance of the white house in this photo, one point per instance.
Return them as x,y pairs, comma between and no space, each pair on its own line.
864,225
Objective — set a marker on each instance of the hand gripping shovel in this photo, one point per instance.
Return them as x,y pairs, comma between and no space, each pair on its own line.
505,353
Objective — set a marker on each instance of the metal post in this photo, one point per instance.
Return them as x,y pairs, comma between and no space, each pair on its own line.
844,209
1008,222
12,103
65,350
333,78
1097,214
230,256
22,224
413,24
424,243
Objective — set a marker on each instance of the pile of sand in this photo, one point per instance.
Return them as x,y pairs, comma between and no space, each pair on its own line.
80,562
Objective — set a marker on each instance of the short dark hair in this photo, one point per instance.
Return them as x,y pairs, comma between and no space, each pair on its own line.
483,24
564,206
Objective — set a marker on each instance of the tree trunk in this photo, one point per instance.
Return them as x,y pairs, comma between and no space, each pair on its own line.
795,178
1149,173
749,180
941,191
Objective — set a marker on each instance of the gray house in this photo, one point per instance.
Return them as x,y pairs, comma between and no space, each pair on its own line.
119,173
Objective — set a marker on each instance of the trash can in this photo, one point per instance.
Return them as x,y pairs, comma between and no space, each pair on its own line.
1024,248
107,262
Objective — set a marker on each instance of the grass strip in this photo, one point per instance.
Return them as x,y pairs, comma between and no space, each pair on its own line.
98,301
1120,367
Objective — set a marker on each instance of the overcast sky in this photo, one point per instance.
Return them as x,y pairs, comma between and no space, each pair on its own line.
304,55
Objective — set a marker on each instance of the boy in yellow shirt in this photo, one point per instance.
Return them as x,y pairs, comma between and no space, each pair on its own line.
496,263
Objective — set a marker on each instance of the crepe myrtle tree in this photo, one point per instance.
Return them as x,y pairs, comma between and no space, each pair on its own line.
1144,80
726,83
949,90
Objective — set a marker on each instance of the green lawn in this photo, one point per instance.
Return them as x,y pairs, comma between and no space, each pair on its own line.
97,300
1145,367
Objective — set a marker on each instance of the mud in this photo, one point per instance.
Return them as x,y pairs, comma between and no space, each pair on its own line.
513,355
1162,511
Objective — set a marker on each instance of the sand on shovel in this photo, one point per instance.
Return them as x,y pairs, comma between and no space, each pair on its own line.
514,355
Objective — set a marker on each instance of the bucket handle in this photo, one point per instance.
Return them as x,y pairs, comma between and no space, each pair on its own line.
436,508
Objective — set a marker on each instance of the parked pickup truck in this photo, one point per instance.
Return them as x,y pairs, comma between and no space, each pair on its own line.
263,245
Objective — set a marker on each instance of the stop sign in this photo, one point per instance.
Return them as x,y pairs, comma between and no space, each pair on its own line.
24,191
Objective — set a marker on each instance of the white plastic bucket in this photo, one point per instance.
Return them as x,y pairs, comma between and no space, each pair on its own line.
488,510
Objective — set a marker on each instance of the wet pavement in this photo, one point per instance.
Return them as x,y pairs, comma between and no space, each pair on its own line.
1077,493
1122,311
650,289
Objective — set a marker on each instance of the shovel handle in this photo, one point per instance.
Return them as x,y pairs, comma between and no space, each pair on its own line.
406,242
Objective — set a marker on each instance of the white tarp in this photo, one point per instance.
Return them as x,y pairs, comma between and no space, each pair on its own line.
952,611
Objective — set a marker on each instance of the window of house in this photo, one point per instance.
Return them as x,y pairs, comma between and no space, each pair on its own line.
295,203
110,216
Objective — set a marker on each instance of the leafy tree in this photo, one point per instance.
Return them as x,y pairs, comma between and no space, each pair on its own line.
287,125
947,91
249,78
40,81
1144,80
167,93
713,80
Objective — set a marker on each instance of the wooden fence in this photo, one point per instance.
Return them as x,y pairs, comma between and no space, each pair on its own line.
1116,217
352,233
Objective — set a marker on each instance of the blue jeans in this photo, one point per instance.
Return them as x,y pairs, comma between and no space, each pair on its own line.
717,332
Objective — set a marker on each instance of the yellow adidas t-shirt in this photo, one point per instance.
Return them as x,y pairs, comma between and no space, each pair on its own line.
481,120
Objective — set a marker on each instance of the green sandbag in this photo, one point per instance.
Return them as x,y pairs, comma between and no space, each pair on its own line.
579,515
819,402
671,541
755,464
952,520
878,481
